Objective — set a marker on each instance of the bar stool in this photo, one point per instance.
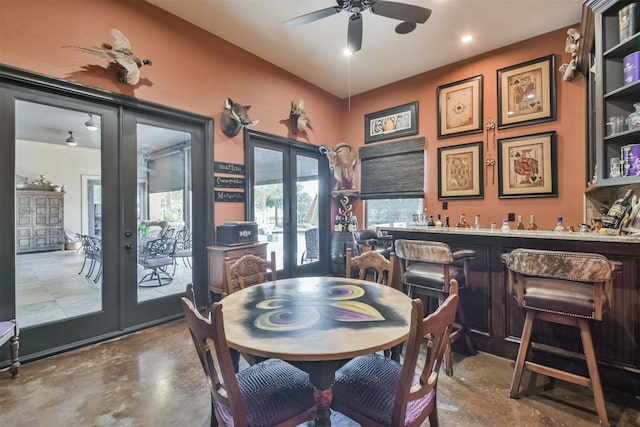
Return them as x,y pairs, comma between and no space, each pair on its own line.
568,288
430,266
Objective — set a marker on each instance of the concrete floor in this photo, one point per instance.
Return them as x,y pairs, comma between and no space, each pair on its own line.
153,378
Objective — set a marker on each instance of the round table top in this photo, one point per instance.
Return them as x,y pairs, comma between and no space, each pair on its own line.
316,318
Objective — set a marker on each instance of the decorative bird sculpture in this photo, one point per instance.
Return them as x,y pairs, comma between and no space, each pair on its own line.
120,54
299,120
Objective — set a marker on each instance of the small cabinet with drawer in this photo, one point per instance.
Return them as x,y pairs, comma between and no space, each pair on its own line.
216,256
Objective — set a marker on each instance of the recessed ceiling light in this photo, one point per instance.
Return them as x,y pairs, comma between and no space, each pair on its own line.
466,38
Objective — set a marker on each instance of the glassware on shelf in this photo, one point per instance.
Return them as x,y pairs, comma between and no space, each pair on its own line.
633,119
617,124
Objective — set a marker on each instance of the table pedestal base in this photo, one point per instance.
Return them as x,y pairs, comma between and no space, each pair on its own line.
322,374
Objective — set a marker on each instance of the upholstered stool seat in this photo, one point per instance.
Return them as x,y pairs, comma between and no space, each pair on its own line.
568,288
429,267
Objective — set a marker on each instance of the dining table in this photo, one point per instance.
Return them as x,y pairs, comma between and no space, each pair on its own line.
317,324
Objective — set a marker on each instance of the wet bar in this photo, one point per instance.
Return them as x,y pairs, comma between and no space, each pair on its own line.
496,321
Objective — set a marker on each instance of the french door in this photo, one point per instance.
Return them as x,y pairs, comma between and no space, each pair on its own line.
73,201
288,196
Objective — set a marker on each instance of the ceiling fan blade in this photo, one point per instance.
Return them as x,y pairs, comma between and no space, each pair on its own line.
313,16
401,11
354,33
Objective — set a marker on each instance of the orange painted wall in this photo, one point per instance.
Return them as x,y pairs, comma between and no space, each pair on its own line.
569,127
195,71
192,70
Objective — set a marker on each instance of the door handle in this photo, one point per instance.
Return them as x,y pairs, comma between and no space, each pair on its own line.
128,246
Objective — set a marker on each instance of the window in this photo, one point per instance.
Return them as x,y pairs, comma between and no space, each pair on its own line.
391,212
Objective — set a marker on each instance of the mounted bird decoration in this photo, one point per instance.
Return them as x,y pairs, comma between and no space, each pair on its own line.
235,117
298,117
120,54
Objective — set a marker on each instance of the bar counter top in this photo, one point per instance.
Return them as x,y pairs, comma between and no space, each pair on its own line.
496,320
538,234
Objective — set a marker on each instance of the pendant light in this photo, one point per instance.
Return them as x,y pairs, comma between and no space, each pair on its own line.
91,124
71,140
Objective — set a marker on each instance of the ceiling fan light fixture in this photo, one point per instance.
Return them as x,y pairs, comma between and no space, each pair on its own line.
405,27
91,124
71,140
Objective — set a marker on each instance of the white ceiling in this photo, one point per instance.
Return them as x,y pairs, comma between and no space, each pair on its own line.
314,51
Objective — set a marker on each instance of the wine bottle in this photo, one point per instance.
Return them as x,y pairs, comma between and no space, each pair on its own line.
520,225
618,213
532,223
446,221
462,223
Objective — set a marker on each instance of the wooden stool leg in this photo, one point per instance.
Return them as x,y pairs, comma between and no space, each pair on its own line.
587,343
522,354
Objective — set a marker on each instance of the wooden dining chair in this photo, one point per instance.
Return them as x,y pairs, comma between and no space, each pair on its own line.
250,270
371,264
270,393
376,391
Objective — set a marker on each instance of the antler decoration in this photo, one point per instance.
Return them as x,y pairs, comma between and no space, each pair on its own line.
490,162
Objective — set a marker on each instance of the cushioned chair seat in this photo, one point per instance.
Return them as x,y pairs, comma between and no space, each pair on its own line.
431,275
560,296
370,382
273,391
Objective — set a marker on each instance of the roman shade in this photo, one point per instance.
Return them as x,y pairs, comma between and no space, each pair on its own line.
392,170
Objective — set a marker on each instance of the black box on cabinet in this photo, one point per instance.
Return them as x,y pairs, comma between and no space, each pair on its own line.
237,233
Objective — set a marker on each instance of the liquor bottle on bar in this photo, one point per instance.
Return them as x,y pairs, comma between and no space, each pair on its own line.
520,225
617,215
462,223
559,226
439,222
532,223
431,222
446,222
505,226
476,223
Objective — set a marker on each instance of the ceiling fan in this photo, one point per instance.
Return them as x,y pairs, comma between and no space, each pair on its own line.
408,13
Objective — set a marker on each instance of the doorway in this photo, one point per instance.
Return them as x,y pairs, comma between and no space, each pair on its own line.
288,193
74,197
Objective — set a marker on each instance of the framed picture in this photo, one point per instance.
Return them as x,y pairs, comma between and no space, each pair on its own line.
460,107
460,173
527,93
527,166
391,123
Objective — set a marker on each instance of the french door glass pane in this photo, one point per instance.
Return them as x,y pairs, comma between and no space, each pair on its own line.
58,214
164,211
307,209
268,200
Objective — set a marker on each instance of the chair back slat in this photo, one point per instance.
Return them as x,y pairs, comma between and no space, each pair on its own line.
213,351
429,337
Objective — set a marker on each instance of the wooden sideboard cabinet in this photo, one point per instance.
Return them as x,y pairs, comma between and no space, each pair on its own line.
216,256
39,221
